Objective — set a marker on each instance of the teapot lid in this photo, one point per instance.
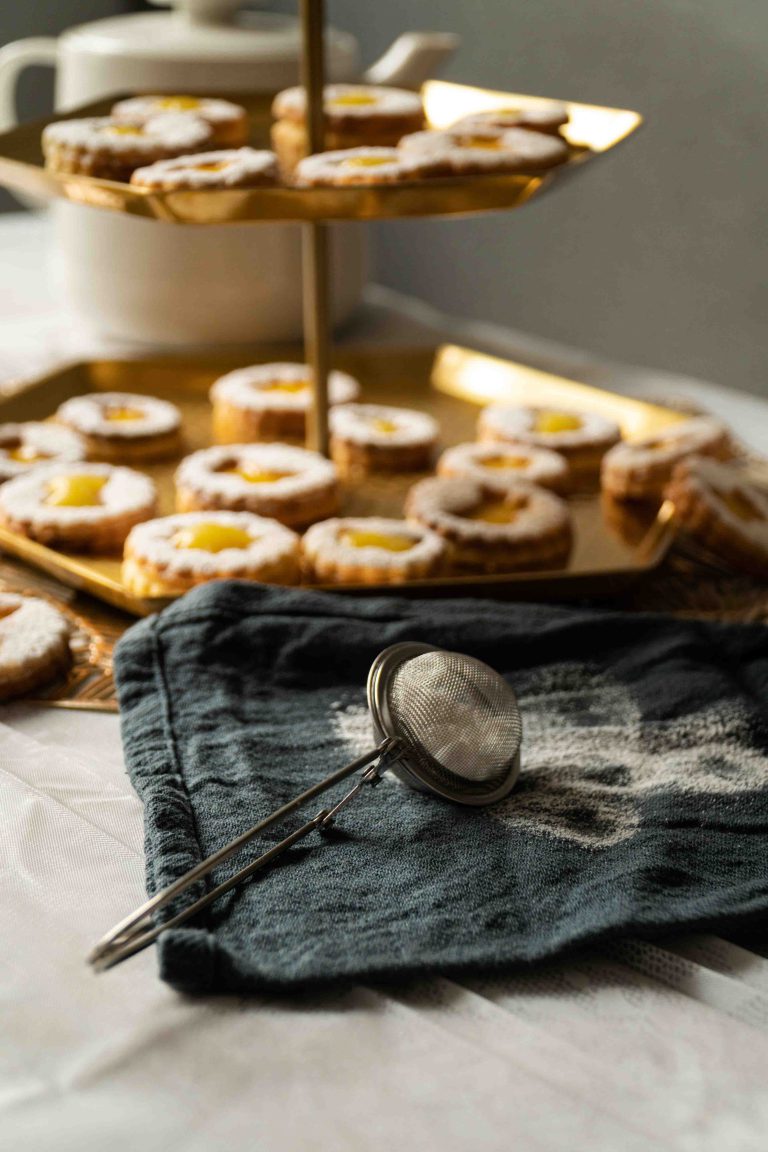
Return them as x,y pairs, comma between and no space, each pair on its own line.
207,30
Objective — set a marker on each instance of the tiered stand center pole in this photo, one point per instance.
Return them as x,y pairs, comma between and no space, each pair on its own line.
316,276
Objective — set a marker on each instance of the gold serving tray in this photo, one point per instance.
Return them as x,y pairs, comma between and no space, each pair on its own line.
612,549
591,132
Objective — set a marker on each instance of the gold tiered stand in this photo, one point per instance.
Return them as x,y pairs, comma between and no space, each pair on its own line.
600,560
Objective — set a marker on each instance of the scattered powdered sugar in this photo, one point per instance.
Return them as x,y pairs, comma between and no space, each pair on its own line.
360,424
445,504
501,150
251,387
29,630
125,491
364,165
375,102
89,414
325,541
230,167
702,434
546,116
518,423
542,465
50,441
179,131
140,109
207,471
152,542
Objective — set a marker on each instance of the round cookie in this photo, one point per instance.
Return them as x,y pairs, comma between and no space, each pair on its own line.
230,168
498,466
371,550
77,507
582,438
717,505
170,555
228,122
355,115
27,445
34,644
113,149
120,426
377,438
485,150
365,165
548,118
270,402
639,469
278,481
523,529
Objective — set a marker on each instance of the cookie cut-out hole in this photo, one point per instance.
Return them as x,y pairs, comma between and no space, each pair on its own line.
211,537
75,491
388,541
498,511
498,463
548,422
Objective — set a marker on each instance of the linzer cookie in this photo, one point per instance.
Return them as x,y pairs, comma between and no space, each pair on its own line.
27,445
500,465
279,481
545,117
34,644
113,149
120,426
77,507
355,115
270,402
484,150
170,555
230,168
375,437
228,122
582,438
371,550
365,165
717,505
639,470
523,528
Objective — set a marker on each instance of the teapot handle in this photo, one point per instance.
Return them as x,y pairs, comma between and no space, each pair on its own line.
14,58
413,58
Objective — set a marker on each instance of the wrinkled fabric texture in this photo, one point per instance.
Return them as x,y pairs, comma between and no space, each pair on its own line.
642,803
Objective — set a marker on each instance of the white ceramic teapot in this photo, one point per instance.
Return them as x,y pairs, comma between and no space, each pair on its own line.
168,284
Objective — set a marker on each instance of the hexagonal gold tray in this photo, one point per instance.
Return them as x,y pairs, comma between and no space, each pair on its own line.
613,547
591,132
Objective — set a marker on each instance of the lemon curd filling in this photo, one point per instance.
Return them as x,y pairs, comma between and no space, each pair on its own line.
211,537
214,166
26,454
75,491
286,386
557,422
742,506
495,512
366,161
118,414
385,427
353,100
504,462
256,475
491,143
178,103
388,542
124,130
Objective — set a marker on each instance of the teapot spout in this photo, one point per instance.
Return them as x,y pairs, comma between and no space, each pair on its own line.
413,58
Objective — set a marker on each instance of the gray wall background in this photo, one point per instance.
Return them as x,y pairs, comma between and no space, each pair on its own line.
657,255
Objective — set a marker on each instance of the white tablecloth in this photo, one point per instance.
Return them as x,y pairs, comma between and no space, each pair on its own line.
637,1047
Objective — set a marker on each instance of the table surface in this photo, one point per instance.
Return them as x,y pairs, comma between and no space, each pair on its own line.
631,1047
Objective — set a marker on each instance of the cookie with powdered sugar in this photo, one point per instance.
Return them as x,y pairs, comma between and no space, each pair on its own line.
34,644
170,555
